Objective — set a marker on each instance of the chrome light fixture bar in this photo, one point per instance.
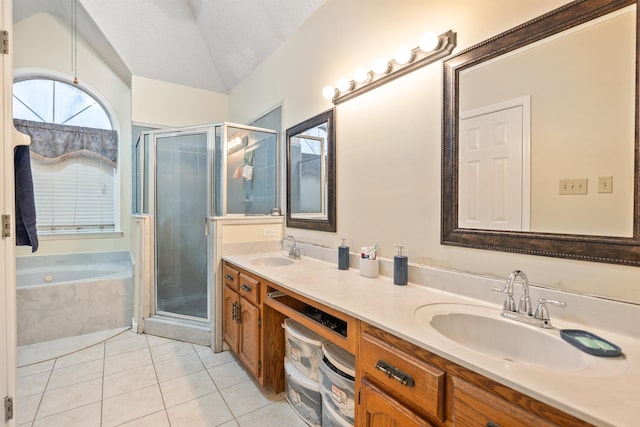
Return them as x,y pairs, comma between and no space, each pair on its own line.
382,72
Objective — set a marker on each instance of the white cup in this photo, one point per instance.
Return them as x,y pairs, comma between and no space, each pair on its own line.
369,267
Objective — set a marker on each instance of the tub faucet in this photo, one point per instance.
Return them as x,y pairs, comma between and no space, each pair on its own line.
294,251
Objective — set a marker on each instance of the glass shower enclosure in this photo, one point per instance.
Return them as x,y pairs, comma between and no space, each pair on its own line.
182,179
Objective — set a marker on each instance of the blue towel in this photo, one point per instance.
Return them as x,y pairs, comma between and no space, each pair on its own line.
26,233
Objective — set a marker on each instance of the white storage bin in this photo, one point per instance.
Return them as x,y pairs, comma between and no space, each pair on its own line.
331,419
303,348
303,395
337,378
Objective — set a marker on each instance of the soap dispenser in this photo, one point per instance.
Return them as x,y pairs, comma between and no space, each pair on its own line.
400,267
343,256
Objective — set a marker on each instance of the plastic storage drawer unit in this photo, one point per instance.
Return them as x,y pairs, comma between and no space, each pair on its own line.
331,419
337,378
303,395
303,348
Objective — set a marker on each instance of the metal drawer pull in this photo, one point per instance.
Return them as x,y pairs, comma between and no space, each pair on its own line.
238,312
394,373
228,277
492,424
246,287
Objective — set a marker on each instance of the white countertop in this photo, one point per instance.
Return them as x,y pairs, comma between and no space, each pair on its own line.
606,392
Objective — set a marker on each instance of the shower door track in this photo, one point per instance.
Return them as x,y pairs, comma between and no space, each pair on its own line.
178,316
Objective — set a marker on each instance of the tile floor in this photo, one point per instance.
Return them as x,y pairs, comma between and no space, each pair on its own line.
137,380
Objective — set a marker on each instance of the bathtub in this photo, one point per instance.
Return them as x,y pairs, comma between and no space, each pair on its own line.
60,296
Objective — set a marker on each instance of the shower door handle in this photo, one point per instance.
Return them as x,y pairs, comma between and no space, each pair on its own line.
206,227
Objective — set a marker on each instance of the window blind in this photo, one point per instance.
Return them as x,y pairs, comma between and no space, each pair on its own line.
74,195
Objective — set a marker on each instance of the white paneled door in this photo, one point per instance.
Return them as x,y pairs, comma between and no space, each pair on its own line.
493,172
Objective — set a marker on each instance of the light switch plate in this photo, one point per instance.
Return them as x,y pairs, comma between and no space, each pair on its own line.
573,186
605,184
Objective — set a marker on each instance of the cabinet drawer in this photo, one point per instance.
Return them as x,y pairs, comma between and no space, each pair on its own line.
230,276
473,406
413,382
249,289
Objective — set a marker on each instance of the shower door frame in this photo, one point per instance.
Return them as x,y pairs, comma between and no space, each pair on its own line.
147,188
154,135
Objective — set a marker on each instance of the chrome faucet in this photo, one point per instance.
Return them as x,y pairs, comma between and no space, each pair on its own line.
524,306
524,312
294,250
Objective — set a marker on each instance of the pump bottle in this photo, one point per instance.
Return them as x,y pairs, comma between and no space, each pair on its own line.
400,267
343,256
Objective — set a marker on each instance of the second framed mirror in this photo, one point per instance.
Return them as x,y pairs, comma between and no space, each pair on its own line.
311,174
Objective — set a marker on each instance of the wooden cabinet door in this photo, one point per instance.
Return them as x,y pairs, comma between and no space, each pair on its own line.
378,409
230,324
473,406
249,345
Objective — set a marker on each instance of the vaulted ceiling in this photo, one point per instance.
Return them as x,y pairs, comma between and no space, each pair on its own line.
207,44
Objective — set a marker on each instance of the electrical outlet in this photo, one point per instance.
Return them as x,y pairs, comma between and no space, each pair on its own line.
605,184
269,232
573,186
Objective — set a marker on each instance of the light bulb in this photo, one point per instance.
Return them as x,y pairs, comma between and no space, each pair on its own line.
403,55
343,84
428,42
380,66
328,92
360,75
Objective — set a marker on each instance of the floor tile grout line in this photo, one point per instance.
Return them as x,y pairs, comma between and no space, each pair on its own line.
74,351
153,363
68,410
144,416
35,415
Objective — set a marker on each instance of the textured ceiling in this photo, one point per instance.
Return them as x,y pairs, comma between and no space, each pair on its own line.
208,44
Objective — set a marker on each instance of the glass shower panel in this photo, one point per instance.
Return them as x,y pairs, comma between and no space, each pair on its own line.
181,210
252,171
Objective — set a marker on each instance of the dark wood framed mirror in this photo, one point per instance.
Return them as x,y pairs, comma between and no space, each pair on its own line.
311,173
562,201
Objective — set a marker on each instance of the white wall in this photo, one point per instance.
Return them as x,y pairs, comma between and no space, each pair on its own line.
44,42
389,139
171,105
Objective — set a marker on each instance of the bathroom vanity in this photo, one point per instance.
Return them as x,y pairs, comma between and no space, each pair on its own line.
405,374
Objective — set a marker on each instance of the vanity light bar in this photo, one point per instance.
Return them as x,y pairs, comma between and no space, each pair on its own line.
383,71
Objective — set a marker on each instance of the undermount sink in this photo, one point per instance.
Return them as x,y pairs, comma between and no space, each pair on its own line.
483,329
271,261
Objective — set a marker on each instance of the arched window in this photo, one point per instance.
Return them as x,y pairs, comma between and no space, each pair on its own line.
73,151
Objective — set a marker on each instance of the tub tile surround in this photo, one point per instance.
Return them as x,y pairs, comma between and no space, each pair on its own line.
76,305
605,393
141,380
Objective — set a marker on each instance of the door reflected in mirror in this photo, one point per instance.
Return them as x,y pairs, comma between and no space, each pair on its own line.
526,130
556,100
311,174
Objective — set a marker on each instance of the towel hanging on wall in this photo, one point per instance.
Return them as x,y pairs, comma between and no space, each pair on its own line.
26,232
